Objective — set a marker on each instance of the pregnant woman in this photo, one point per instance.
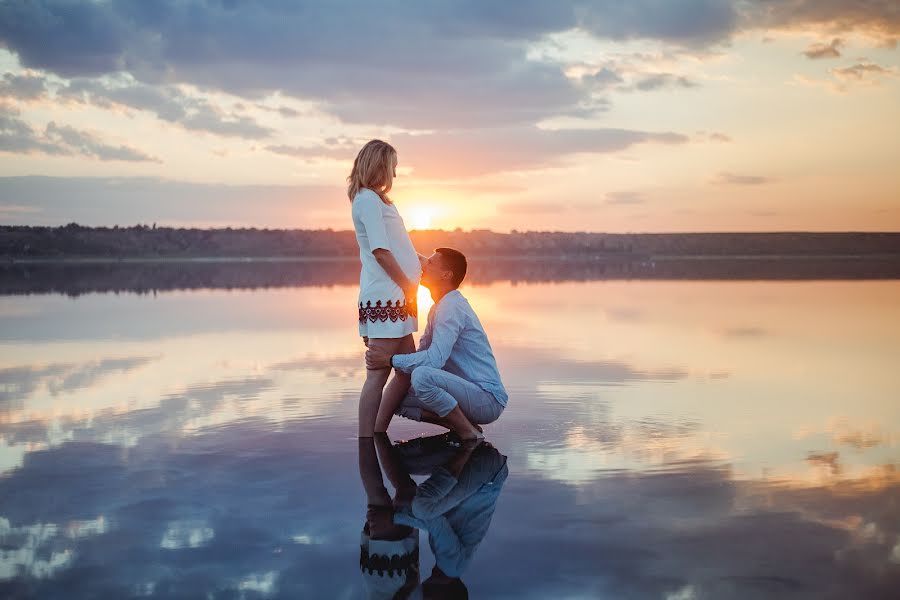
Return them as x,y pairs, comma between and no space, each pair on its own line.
389,279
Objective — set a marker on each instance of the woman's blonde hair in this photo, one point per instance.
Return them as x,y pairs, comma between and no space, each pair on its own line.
373,169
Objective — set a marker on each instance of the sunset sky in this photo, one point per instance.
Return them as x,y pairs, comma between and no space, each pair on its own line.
649,115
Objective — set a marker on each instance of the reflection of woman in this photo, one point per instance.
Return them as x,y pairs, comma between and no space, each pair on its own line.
388,552
389,279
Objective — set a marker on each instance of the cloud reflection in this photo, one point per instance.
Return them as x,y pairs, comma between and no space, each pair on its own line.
624,534
18,383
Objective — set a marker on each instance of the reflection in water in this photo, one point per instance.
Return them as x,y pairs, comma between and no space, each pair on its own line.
389,551
74,278
702,439
454,506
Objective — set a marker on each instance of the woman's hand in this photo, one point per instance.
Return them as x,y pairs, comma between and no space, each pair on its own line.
392,268
411,295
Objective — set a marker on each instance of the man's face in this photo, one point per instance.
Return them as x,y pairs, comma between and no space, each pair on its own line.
433,271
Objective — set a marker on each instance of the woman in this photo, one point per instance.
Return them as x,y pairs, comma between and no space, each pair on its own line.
389,279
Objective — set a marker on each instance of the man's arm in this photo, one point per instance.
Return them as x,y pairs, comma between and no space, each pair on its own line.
448,324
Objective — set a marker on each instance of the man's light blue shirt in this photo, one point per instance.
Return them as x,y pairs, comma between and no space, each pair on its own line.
456,513
455,341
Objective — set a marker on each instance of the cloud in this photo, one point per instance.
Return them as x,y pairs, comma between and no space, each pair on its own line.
17,209
478,152
75,141
606,77
169,104
713,136
18,137
864,71
22,87
338,151
625,198
685,22
727,178
437,65
831,50
878,18
457,65
473,152
862,74
830,461
128,200
658,81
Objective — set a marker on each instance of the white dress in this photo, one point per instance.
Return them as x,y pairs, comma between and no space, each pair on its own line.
382,305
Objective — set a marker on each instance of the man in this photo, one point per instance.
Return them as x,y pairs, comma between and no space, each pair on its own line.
454,378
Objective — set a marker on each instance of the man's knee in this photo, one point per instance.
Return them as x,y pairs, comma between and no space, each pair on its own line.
422,379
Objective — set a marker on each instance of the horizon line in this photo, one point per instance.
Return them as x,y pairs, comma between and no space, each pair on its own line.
456,230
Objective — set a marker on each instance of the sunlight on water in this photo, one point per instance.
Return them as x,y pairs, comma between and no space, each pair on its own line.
664,439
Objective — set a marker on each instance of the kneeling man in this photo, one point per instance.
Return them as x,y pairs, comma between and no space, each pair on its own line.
454,378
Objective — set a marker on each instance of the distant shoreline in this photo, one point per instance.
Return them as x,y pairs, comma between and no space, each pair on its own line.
74,242
480,258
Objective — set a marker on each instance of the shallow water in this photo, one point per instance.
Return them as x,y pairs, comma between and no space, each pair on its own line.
672,439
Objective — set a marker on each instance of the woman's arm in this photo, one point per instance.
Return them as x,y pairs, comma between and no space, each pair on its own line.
390,265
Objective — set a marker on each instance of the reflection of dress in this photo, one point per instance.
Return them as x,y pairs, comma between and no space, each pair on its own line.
457,512
390,568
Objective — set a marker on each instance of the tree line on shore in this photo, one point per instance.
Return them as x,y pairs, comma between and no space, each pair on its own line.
143,241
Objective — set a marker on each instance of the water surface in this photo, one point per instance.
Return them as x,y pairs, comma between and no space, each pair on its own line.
665,438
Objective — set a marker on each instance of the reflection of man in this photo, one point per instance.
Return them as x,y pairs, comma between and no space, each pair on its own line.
454,505
454,378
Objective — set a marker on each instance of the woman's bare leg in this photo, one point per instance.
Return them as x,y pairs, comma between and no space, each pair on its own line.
370,396
396,390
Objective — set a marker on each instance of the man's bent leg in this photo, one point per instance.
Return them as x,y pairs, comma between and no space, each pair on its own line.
461,426
458,402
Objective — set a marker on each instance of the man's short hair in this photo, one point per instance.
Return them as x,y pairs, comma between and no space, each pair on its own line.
455,262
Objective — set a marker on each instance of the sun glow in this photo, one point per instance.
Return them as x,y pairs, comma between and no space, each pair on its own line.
425,302
421,217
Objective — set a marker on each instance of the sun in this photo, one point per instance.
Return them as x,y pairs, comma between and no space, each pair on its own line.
421,217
